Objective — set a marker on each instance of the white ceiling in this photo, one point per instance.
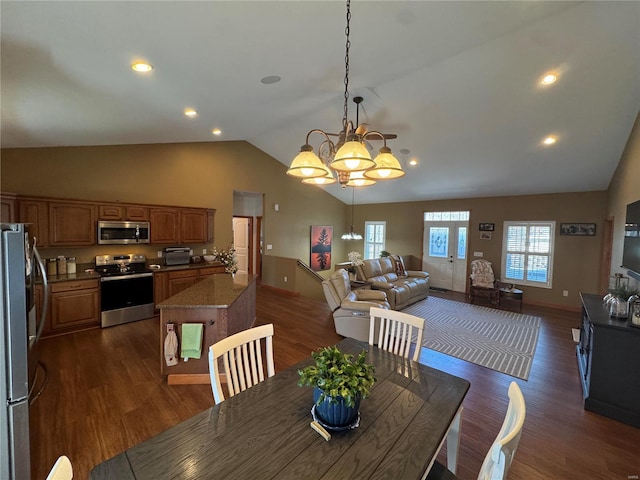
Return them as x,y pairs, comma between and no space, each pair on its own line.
457,81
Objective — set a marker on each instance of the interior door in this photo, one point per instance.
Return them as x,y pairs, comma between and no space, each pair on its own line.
241,242
444,254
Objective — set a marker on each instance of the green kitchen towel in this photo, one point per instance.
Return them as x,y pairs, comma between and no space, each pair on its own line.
191,345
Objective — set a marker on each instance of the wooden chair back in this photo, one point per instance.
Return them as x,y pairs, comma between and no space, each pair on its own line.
242,359
395,331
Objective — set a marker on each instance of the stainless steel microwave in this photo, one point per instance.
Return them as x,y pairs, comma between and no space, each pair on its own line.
122,233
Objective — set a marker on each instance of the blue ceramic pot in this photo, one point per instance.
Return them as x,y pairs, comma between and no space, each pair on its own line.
335,414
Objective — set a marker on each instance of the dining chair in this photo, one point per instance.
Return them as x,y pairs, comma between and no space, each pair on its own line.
395,331
61,470
498,460
242,359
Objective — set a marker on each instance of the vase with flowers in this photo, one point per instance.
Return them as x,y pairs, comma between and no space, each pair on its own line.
227,258
356,260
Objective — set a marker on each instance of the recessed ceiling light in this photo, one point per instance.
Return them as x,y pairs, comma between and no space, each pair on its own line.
270,79
142,67
549,78
217,132
550,140
190,112
413,162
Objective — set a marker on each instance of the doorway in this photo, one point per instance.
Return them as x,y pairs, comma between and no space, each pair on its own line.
247,231
444,251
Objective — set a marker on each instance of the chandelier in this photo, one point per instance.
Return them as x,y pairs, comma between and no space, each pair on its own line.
343,156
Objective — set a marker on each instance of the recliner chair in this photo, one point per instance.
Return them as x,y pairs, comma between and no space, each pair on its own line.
351,307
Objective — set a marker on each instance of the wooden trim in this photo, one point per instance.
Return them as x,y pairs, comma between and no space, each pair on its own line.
605,259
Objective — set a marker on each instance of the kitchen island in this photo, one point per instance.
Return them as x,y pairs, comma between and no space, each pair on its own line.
225,304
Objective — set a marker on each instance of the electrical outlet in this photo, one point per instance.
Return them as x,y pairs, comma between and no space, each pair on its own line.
204,251
159,253
285,279
565,293
191,252
269,247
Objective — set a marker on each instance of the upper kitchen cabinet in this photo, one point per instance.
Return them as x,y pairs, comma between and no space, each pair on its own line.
35,212
210,224
8,208
72,223
165,225
123,212
193,225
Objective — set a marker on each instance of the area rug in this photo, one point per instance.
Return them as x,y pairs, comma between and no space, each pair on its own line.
497,339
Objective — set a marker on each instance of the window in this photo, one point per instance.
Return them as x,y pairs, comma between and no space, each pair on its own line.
446,216
374,234
527,253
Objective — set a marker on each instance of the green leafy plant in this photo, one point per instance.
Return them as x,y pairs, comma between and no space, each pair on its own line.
384,253
623,292
338,374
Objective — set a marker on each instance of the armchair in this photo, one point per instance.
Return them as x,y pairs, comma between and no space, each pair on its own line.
482,282
351,307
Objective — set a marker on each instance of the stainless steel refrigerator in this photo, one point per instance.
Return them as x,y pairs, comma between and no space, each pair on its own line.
22,376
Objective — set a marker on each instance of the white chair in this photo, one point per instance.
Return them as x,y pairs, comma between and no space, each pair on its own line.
62,469
498,460
242,359
395,331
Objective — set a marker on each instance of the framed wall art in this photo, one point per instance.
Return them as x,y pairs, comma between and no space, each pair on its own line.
578,229
485,235
321,239
486,227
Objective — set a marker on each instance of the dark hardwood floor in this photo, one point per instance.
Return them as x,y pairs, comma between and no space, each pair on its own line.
105,395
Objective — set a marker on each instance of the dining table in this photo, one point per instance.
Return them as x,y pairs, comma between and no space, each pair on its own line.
265,433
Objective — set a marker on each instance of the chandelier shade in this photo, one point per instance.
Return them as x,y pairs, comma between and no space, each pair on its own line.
387,166
307,164
346,159
353,156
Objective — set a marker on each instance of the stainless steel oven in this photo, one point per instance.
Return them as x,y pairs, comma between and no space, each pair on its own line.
126,289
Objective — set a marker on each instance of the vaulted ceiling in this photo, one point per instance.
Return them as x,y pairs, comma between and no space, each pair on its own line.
458,82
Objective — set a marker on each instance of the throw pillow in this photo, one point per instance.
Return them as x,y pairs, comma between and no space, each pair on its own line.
399,264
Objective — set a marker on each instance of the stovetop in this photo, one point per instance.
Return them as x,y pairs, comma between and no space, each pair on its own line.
128,264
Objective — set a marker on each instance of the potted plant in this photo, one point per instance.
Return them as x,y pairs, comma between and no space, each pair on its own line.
356,260
617,300
340,381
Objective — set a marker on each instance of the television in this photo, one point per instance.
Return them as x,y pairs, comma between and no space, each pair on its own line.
631,249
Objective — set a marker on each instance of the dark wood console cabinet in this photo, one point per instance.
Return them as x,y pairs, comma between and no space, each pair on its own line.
609,363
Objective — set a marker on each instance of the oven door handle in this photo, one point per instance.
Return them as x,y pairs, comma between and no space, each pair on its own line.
124,277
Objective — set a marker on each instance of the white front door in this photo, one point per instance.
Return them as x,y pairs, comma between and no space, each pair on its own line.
241,243
444,254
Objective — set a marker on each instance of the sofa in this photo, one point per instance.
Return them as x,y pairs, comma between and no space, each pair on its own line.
351,307
388,274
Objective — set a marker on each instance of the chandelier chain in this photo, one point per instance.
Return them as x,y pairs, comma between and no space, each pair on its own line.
346,68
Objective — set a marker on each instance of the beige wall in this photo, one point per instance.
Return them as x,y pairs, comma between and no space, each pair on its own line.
194,174
576,260
624,189
206,174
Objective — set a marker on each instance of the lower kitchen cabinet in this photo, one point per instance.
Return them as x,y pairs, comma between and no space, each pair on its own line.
74,305
180,280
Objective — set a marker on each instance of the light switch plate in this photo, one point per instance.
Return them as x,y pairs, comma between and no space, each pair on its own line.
478,254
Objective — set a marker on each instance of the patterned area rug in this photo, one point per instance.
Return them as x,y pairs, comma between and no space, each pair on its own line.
497,339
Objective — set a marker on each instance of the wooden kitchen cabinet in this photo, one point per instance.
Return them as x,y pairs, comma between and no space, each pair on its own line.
160,287
180,280
8,212
165,225
193,225
206,271
35,212
123,212
74,305
211,214
72,223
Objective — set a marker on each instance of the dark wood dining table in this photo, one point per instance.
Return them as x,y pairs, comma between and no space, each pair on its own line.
264,432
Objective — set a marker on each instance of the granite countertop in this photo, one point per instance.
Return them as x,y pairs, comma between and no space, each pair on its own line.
168,268
84,271
217,291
